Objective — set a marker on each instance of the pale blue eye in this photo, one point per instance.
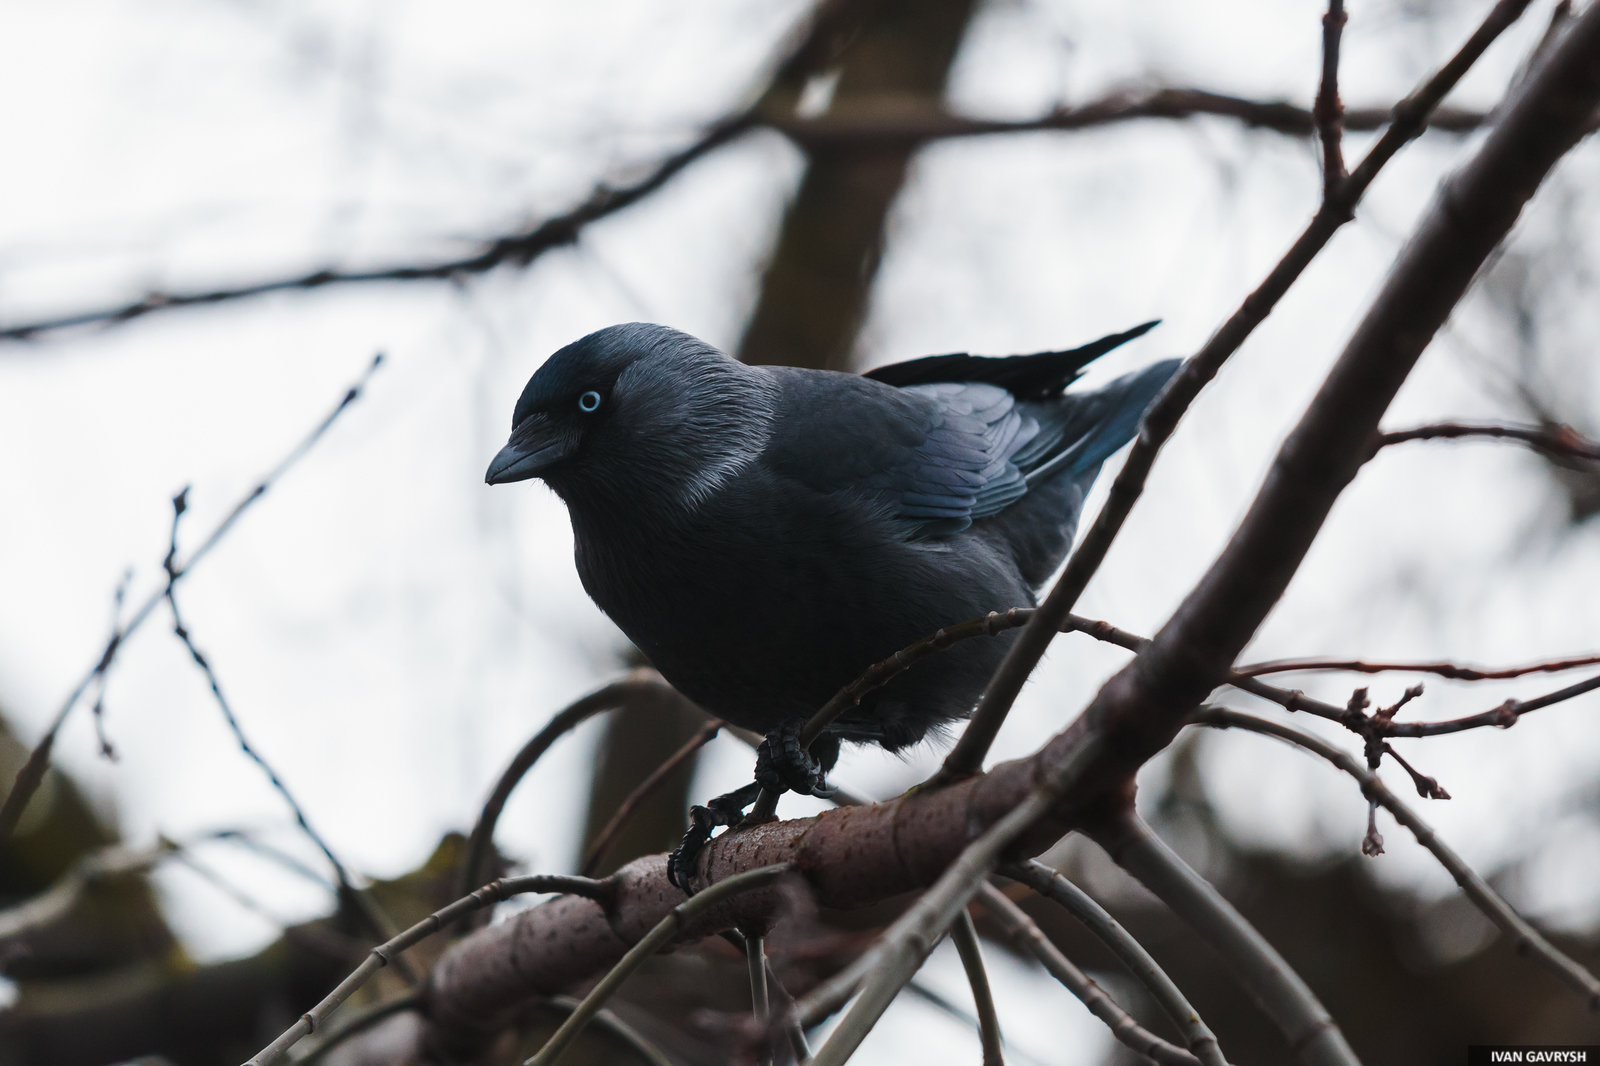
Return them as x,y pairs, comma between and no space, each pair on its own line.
589,402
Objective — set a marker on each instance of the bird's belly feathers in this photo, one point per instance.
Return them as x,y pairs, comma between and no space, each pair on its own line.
759,619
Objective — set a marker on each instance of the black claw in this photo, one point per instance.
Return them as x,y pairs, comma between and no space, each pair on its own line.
782,765
726,809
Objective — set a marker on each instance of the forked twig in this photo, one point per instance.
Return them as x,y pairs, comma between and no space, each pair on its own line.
1052,885
32,772
1025,932
1525,937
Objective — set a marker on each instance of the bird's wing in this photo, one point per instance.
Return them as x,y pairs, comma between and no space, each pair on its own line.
943,455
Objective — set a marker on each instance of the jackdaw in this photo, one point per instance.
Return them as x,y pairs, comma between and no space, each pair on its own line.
764,534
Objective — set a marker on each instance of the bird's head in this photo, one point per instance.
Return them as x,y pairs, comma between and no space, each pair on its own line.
635,408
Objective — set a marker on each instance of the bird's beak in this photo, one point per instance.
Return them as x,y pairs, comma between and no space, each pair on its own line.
535,447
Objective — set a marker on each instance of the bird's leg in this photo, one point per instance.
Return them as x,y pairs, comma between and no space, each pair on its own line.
726,809
783,765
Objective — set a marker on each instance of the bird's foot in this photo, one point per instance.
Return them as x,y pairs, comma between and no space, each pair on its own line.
784,765
727,809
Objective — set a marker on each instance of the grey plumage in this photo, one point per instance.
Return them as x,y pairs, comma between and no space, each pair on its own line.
764,534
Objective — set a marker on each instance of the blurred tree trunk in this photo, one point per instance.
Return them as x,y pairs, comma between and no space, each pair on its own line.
814,293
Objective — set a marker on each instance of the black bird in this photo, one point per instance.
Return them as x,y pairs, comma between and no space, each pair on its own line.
764,534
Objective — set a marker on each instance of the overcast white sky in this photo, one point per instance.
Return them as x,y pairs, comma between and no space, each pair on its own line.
389,629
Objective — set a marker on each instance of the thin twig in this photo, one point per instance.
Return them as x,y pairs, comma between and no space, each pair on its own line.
1329,109
755,960
1053,885
383,954
1271,981
32,772
1026,933
669,927
180,503
1503,716
475,871
517,249
1559,441
773,986
1161,420
1525,938
1453,671
868,124
646,788
965,937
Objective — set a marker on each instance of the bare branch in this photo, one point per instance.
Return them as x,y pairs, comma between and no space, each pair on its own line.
1031,938
380,956
1329,109
868,124
676,921
638,684
1162,419
1558,441
516,249
1271,981
1504,716
1527,939
604,839
1055,886
965,937
32,772
1453,671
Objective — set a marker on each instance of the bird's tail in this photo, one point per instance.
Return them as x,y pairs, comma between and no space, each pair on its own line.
1086,427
